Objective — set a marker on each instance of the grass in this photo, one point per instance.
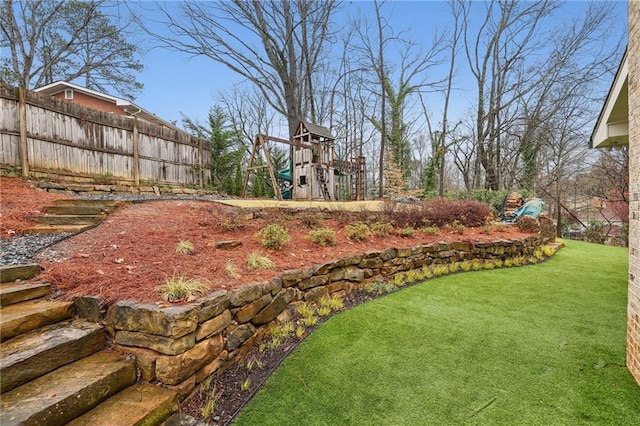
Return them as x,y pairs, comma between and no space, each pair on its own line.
179,287
541,344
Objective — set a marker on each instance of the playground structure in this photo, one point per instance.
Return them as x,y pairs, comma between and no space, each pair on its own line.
314,172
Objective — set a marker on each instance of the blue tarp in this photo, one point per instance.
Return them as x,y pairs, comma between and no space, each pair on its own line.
532,208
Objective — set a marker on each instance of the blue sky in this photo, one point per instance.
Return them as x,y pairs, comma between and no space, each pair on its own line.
175,84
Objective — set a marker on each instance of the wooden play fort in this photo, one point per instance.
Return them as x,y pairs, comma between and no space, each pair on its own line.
314,172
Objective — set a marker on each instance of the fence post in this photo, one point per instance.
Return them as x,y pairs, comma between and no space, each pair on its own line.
136,154
200,170
22,119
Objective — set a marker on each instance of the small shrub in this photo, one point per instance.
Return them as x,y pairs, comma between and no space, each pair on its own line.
430,230
336,303
428,273
399,280
381,229
498,263
299,332
487,228
179,287
532,260
244,386
519,260
440,211
528,224
323,237
357,231
323,311
466,266
273,236
406,232
274,343
379,288
457,227
508,262
439,270
538,254
476,265
231,270
488,265
257,261
282,330
306,310
548,250
309,321
185,247
454,267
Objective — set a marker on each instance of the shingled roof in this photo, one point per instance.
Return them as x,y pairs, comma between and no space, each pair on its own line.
317,130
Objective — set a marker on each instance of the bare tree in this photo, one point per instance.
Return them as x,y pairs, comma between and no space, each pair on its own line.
67,40
276,45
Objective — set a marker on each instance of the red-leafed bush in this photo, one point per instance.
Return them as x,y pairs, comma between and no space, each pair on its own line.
438,212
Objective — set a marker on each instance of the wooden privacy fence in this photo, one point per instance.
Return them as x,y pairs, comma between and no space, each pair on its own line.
43,135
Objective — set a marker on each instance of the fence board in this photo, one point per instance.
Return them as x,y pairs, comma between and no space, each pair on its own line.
65,138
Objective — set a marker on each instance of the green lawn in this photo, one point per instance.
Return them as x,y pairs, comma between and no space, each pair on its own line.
536,345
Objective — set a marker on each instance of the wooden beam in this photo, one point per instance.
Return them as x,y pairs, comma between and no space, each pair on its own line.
22,119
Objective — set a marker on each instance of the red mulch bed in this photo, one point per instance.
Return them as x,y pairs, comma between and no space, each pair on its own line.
133,251
18,201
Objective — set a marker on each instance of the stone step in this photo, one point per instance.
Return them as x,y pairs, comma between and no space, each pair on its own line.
9,273
26,316
16,292
77,210
89,203
57,229
68,392
34,354
68,219
136,405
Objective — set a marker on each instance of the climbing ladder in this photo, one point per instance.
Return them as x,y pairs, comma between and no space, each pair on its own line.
323,182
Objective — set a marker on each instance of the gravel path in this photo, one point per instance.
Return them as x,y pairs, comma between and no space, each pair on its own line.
21,249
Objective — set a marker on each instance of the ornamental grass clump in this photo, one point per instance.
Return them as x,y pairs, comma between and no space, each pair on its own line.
185,247
273,236
231,270
179,287
323,237
258,261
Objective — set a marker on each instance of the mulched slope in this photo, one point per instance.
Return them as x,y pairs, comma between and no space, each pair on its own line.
133,251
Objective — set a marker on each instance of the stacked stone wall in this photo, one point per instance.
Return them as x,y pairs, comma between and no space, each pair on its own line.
633,317
180,346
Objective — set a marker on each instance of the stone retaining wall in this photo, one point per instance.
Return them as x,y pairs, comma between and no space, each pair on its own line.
180,346
113,189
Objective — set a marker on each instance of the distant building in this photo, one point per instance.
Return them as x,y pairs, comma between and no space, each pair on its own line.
70,92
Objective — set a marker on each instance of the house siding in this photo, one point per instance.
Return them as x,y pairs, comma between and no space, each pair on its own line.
91,102
633,311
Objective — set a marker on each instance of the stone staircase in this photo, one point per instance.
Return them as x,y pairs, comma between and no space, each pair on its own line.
54,368
73,215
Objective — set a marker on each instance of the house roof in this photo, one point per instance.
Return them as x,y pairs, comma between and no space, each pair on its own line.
612,127
129,107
